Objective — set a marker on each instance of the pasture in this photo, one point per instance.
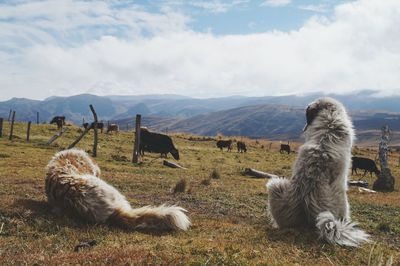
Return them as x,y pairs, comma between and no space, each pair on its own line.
228,214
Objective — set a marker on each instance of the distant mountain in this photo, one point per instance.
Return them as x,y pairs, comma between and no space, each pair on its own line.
74,108
276,117
260,121
276,122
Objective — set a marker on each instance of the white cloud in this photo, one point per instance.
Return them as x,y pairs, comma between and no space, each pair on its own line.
321,8
213,6
357,47
276,3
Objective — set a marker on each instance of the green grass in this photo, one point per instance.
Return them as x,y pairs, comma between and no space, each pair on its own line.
230,225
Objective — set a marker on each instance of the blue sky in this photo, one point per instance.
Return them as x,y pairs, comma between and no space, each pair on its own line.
206,48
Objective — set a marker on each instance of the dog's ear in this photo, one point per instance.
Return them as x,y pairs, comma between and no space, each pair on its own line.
311,114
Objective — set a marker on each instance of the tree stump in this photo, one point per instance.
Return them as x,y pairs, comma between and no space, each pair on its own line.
385,181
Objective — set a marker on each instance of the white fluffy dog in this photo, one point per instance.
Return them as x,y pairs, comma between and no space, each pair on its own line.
73,184
316,193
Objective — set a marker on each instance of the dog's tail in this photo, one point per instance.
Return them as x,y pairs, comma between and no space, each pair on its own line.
156,218
340,232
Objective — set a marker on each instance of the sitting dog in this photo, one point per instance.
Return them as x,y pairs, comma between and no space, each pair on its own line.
315,196
73,184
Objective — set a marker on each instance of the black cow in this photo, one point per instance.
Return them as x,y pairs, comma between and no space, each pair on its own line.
365,164
241,146
157,143
285,147
224,144
100,126
59,120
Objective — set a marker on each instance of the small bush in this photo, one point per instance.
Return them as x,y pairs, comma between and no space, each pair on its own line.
215,174
206,181
384,227
180,186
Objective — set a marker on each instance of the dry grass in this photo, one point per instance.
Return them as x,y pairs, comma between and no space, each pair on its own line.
230,225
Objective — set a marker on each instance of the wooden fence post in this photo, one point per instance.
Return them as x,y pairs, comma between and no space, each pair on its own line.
94,153
37,118
12,126
136,145
1,127
28,131
56,136
79,138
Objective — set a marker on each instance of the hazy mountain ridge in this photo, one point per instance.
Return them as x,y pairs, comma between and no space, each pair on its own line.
280,117
274,122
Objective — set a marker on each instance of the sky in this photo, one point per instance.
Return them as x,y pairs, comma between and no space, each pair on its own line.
208,48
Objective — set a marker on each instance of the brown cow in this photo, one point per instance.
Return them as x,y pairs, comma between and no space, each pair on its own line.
112,127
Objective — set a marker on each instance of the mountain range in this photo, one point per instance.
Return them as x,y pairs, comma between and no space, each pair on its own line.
274,117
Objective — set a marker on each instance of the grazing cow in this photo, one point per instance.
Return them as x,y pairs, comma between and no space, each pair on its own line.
59,120
112,127
285,147
100,126
157,143
365,164
241,146
224,144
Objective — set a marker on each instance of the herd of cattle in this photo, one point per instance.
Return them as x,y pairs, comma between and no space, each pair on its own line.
160,143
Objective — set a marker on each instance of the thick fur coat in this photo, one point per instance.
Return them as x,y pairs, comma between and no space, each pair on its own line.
73,184
315,196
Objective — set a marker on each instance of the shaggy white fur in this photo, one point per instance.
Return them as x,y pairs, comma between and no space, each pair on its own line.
315,196
73,183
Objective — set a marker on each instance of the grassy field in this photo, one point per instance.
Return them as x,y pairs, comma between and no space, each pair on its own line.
230,225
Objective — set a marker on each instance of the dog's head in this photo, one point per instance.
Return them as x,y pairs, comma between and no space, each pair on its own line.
327,108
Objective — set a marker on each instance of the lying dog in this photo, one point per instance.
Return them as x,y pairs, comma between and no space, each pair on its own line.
73,184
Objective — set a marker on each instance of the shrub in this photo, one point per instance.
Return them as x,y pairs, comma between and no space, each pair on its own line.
215,174
180,186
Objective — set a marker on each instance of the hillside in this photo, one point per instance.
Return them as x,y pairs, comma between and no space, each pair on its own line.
279,123
229,221
278,118
175,106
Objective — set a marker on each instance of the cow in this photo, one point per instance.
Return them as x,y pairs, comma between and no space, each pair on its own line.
285,148
157,143
112,127
224,144
59,120
365,164
241,146
100,126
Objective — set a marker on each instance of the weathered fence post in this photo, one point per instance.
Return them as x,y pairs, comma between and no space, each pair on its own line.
127,127
79,138
385,181
28,131
1,127
136,145
94,153
12,126
37,118
56,136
